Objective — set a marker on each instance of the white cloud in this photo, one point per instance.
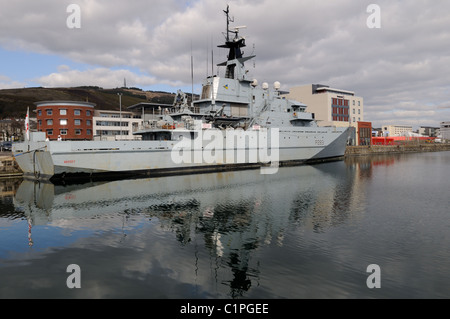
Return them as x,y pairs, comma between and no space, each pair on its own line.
103,77
7,83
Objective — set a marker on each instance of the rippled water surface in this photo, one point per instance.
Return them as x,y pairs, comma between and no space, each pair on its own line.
305,232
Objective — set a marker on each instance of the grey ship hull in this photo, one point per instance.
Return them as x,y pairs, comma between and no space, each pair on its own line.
56,160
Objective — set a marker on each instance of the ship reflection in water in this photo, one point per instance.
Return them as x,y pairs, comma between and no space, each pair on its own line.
223,217
223,235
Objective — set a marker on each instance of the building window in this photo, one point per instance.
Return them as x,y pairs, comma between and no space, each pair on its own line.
353,102
359,111
88,113
76,112
359,103
49,122
39,112
63,122
63,132
49,112
77,122
62,111
353,111
340,110
77,132
88,123
88,132
49,132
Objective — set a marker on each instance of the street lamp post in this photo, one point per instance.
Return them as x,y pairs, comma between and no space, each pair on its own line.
120,113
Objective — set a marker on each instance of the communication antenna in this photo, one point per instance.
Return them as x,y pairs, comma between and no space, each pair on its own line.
212,56
207,57
253,53
227,12
212,62
192,76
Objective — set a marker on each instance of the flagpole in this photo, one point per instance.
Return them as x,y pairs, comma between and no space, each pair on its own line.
27,124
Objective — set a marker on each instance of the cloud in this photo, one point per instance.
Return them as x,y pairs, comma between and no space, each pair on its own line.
103,77
296,42
7,83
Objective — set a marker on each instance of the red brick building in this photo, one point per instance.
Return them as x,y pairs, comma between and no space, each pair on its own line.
71,120
364,133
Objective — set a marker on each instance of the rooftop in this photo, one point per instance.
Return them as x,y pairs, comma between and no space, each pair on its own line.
332,90
65,103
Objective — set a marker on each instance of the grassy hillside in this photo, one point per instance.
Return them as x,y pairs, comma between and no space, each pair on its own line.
14,102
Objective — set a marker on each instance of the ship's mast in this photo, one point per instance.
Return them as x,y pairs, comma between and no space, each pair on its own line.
234,45
227,11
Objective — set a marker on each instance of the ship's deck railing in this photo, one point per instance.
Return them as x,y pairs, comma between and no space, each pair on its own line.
161,126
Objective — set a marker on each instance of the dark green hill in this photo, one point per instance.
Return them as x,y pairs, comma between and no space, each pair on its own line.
14,102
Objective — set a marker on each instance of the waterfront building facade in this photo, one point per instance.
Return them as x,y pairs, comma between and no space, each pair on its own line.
332,107
115,125
396,130
364,133
445,130
66,120
429,131
11,130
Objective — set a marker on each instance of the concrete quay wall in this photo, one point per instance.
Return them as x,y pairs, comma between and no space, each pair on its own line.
9,167
395,149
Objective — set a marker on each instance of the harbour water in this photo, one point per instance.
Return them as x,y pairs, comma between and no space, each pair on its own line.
305,232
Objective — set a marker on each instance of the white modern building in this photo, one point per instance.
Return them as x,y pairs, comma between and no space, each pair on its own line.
429,131
396,130
115,125
445,130
332,107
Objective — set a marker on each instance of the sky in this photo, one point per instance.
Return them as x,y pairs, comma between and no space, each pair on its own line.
396,54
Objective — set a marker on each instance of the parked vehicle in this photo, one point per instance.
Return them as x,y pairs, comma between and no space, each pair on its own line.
6,146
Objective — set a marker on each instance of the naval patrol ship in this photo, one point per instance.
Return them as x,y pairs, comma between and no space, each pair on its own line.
235,124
